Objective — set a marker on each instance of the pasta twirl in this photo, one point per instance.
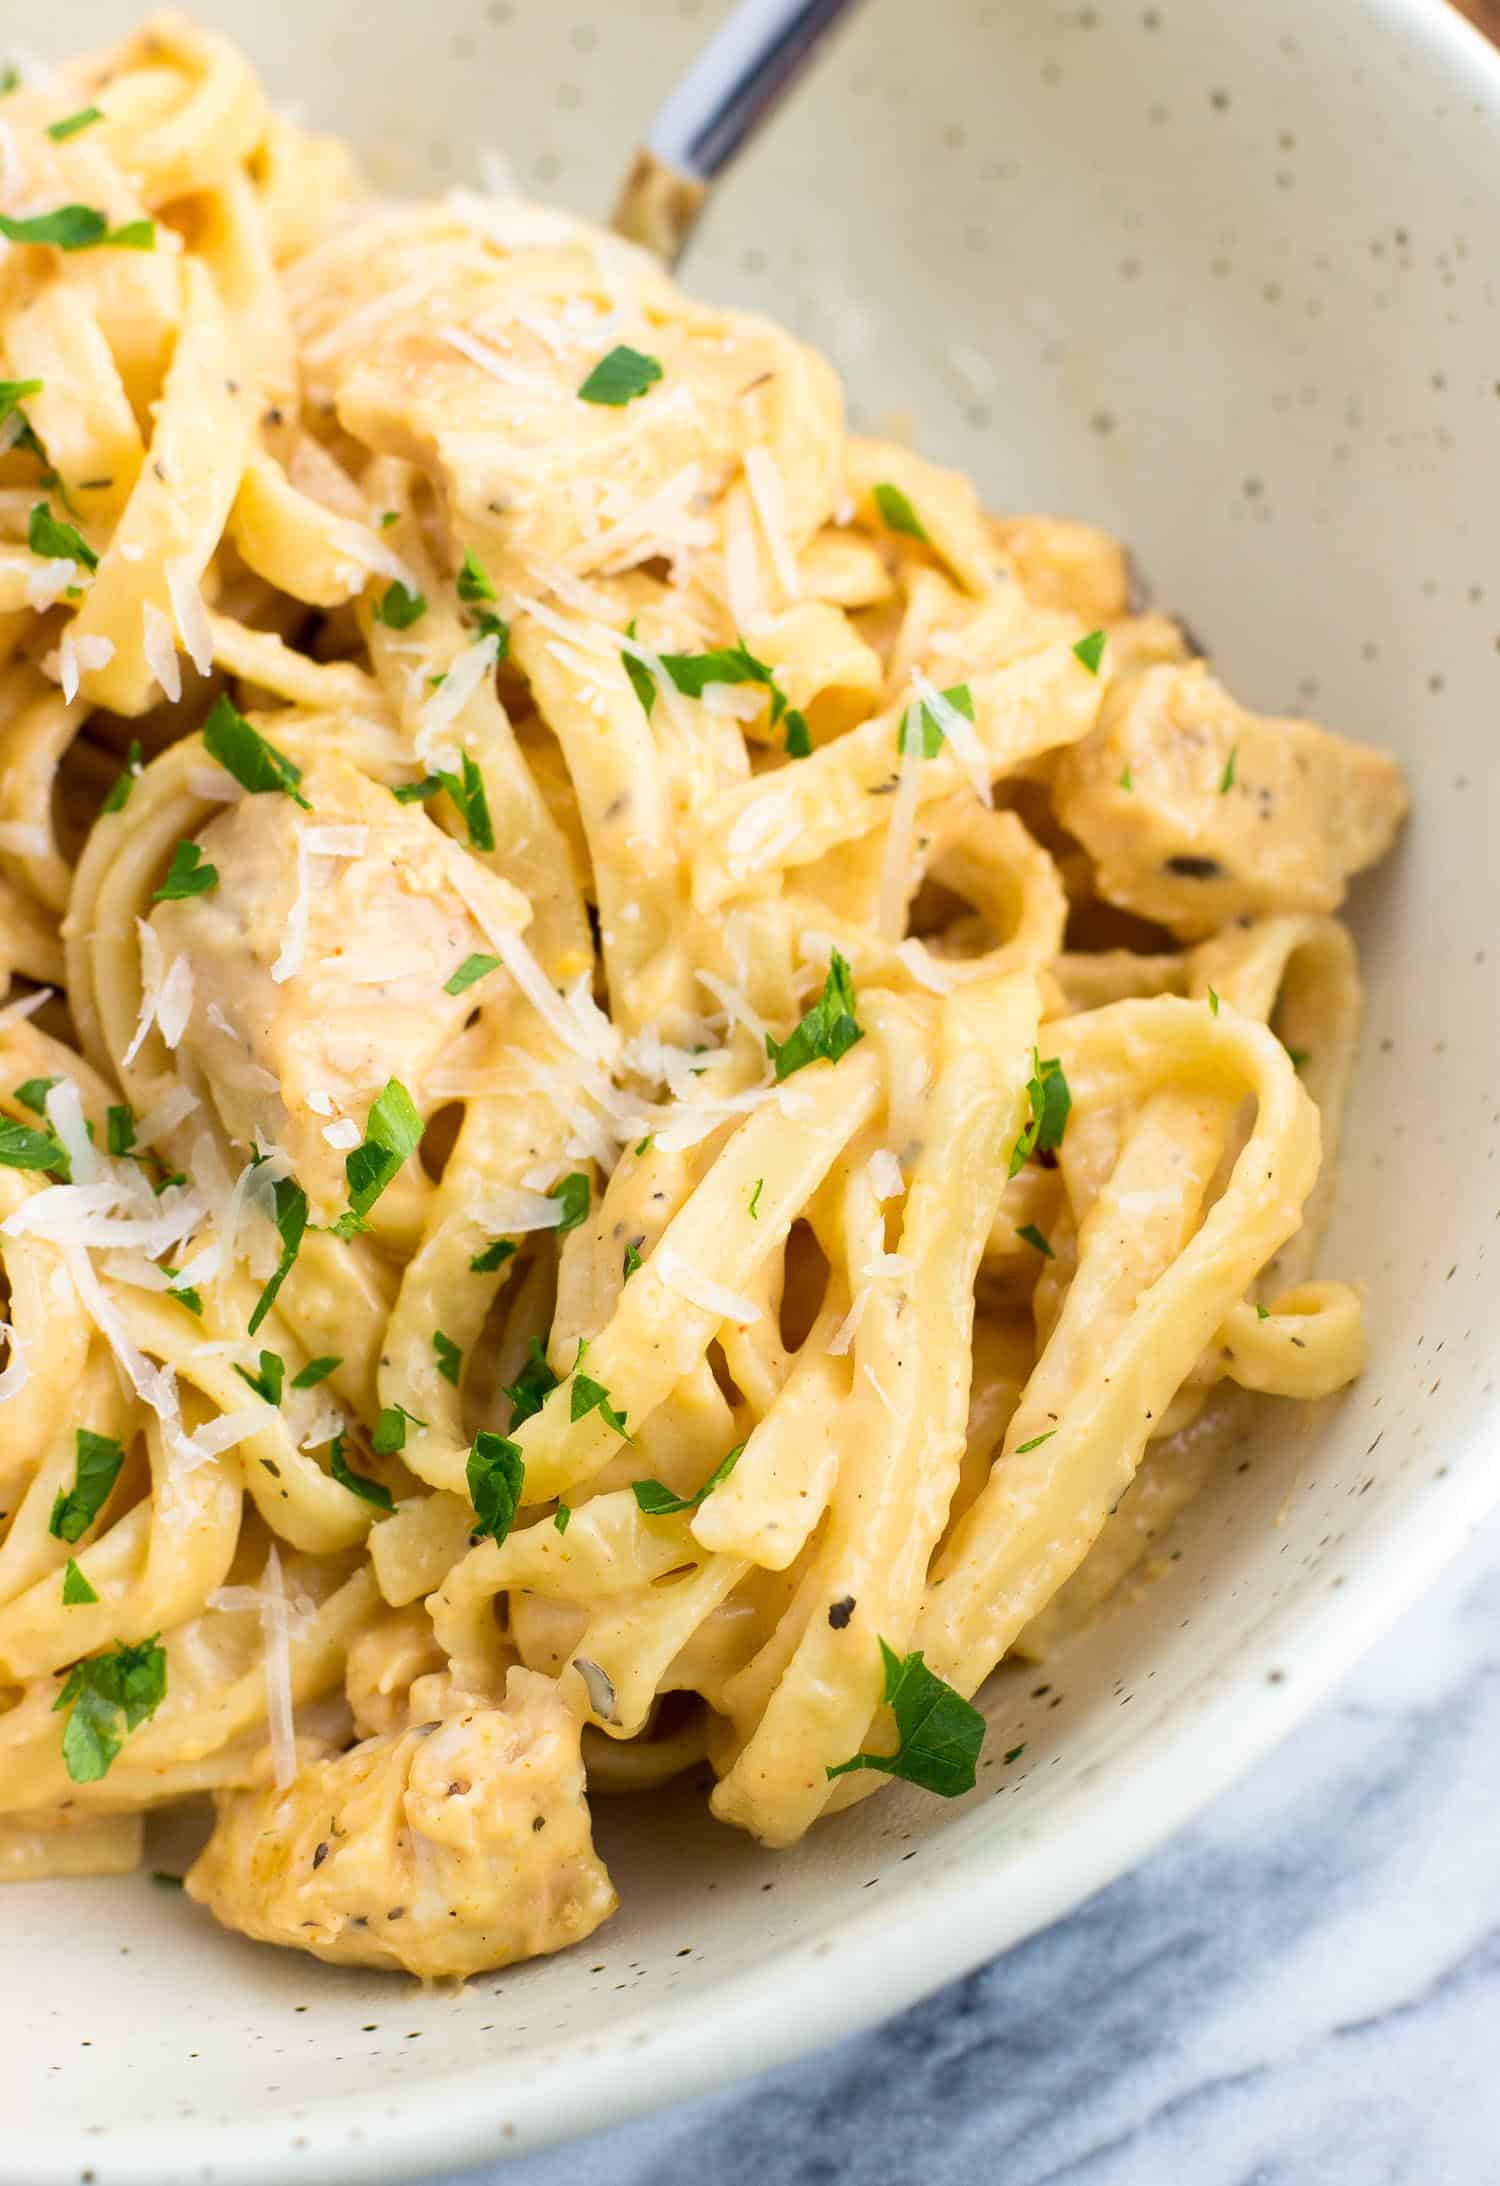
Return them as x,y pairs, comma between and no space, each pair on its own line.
662,1089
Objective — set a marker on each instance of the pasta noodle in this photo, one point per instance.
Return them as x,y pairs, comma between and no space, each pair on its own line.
662,1089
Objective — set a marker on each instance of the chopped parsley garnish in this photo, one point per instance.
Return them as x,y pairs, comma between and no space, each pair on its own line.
1036,1442
96,1468
1298,1056
450,1358
268,1382
13,393
316,1370
656,1499
1029,1234
23,1148
390,1429
389,517
416,793
110,1696
897,513
256,765
692,673
619,377
828,1029
1051,1104
184,1293
532,1386
57,542
940,1732
124,782
959,697
1015,1753
10,79
467,791
494,1256
632,1259
1090,651
289,1213
187,875
1226,779
1213,1002
562,1517
760,1185
135,235
1262,1313
165,1881
643,1145
573,1191
495,1472
360,1484
33,1094
71,124
1127,780
393,1131
592,1396
472,969
119,1125
69,227
399,607
477,593
77,1592
642,682
798,735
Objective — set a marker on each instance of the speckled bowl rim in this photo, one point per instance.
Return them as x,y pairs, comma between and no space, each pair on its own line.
845,1974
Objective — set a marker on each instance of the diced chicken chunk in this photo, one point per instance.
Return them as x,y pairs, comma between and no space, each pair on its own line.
1196,812
386,928
449,1849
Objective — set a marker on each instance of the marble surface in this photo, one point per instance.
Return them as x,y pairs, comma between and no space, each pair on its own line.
1302,1989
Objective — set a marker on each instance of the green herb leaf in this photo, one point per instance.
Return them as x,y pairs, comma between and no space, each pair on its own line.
289,1213
692,673
573,1191
1036,1442
10,79
165,1881
1051,1104
57,542
256,765
474,587
1015,1753
1126,779
124,782
760,1185
33,1094
467,792
592,1396
187,875
23,1148
96,1467
135,235
643,1144
68,227
494,1256
109,1696
495,1473
562,1517
77,1592
472,969
1262,1313
393,1131
632,1259
829,1028
658,1501
360,1484
1298,1056
532,1386
450,1358
268,1382
940,1732
14,392
416,793
1090,651
619,377
642,682
390,1429
1226,779
389,517
119,1124
1029,1234
897,513
798,735
959,697
185,1294
71,124
316,1370
398,607
1213,1002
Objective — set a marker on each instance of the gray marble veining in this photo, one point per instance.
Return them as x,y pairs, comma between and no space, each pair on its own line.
1303,1989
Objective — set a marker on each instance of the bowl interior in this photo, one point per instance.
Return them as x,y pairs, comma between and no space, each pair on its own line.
1221,279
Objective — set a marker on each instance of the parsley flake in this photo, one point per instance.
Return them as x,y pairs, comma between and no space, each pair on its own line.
57,542
829,1029
467,791
656,1499
124,782
494,1256
495,1473
72,124
760,1185
1029,1234
289,1213
619,377
1051,1104
1090,651
68,227
1036,1442
360,1484
450,1358
897,513
562,1517
316,1370
573,1191
1213,1003
1226,779
1127,780
399,607
472,969
393,1131
77,1592
96,1467
390,1429
109,1696
33,1094
187,875
119,1124
798,736
1262,1313
632,1259
23,1148
959,697
268,1382
532,1386
256,765
592,1396
940,1733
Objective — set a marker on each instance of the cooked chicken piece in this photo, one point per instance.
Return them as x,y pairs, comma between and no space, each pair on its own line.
385,929
385,1663
1195,811
449,1849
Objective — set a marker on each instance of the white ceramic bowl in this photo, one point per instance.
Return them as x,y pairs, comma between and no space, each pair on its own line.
1224,278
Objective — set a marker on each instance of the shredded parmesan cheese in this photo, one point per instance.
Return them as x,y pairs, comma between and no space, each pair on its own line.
17,1369
700,1289
160,649
961,734
189,613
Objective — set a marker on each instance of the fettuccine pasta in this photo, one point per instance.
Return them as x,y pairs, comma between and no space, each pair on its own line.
661,1086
